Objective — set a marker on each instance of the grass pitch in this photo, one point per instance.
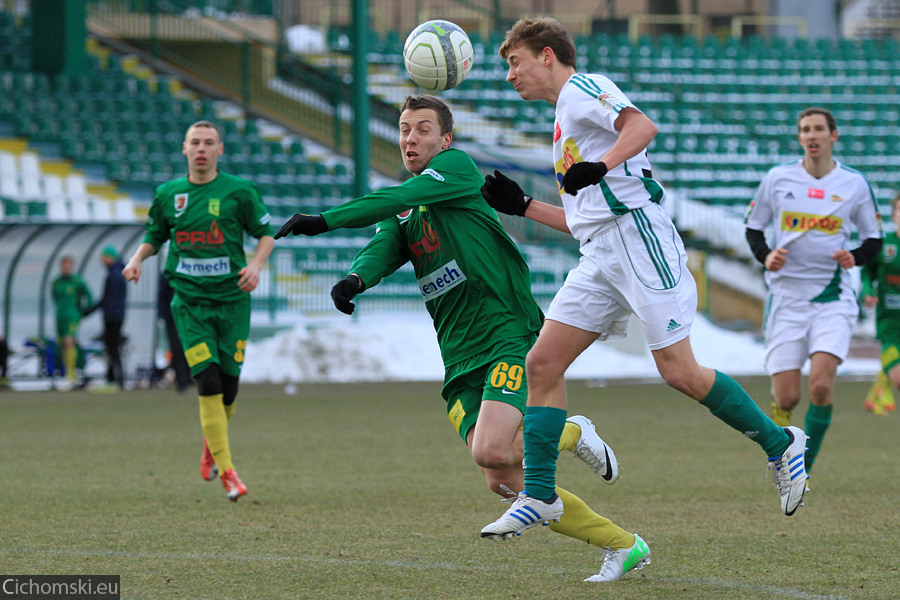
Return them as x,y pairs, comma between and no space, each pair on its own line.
365,491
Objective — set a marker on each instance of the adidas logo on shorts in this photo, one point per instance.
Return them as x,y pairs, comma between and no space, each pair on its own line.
673,325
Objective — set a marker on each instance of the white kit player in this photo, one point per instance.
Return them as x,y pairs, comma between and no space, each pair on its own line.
633,261
812,206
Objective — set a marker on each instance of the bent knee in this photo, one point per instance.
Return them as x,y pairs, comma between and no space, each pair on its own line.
495,458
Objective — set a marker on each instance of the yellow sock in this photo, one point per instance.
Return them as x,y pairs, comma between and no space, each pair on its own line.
214,422
570,434
580,522
885,391
229,410
782,418
70,360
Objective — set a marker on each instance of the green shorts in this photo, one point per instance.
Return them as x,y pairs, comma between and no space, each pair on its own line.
495,374
213,333
67,326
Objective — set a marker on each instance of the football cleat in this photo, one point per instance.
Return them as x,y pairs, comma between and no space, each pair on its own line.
618,562
594,452
781,417
524,513
208,468
234,487
789,471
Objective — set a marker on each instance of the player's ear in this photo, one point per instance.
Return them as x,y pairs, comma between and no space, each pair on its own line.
448,137
221,149
547,56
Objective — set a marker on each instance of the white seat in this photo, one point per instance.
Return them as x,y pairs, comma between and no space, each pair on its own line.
53,186
102,209
76,186
31,187
80,210
29,165
125,210
57,210
9,187
8,164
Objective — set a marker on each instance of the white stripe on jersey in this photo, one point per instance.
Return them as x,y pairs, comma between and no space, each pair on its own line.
812,218
586,111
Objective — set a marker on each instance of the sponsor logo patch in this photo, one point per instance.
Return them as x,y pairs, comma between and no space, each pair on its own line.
570,155
181,202
441,281
816,193
204,267
797,221
433,173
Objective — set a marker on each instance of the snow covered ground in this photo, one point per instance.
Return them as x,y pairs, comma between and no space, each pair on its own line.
403,347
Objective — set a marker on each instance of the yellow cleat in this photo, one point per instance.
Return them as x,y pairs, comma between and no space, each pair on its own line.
781,417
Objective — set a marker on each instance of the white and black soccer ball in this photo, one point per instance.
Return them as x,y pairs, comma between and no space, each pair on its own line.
438,55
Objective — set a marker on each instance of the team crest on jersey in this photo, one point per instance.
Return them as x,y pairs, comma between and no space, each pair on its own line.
836,198
214,207
890,252
181,202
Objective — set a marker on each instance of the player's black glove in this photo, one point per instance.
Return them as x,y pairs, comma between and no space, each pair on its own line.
580,175
505,195
344,291
301,224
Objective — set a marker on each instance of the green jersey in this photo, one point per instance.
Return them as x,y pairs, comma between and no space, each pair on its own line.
206,225
72,297
881,278
474,280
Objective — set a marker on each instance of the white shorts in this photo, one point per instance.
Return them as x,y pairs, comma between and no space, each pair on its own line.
796,329
636,263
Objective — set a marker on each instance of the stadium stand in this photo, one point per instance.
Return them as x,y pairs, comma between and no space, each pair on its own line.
726,108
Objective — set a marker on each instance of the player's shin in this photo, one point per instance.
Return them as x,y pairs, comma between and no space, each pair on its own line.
542,427
582,523
728,402
214,422
818,419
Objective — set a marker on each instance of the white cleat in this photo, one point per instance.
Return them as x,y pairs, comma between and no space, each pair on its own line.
524,513
790,471
618,562
594,451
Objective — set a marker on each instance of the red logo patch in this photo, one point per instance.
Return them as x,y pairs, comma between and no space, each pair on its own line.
557,132
814,193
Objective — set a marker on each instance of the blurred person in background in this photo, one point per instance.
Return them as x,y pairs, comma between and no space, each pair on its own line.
112,303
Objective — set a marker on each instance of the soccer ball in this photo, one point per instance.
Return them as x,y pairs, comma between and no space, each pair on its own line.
438,55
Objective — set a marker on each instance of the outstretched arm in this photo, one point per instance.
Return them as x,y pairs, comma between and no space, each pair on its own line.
504,195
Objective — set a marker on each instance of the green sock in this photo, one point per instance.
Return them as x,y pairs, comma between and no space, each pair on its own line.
542,428
728,401
818,418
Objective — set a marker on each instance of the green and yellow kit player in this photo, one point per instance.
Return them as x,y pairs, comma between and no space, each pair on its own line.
204,217
881,288
476,287
72,298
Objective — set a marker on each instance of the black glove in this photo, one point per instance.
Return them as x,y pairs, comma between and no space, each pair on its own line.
505,195
301,224
344,291
580,175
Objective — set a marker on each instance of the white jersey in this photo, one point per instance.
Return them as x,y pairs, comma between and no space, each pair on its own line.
812,218
587,108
